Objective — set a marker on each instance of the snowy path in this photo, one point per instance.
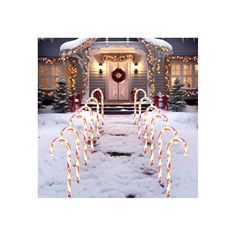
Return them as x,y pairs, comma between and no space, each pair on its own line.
119,167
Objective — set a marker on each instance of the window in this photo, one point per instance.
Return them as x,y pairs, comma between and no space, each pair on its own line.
187,78
43,83
196,75
186,72
175,72
49,74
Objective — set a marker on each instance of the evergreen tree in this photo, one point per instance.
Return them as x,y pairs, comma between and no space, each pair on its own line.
40,99
61,101
177,96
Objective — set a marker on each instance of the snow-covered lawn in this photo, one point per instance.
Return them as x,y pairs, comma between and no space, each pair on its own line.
119,167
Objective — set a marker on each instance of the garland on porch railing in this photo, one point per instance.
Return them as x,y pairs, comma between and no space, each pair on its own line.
85,71
168,65
51,61
117,58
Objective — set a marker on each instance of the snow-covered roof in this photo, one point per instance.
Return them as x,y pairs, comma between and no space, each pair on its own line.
159,43
70,45
73,44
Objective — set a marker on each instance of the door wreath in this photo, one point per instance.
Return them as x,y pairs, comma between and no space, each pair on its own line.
118,75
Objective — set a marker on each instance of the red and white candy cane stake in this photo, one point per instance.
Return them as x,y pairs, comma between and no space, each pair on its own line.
146,123
85,129
152,129
94,100
85,107
135,101
77,166
174,140
159,158
143,100
52,147
102,101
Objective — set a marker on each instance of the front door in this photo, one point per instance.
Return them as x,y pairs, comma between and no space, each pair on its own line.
118,91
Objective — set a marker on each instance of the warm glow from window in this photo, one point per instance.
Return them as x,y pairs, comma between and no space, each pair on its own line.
175,69
55,70
187,81
43,70
43,83
187,69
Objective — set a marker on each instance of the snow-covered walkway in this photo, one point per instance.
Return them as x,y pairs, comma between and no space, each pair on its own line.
119,167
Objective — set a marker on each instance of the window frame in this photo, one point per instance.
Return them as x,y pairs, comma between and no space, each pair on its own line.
50,76
194,84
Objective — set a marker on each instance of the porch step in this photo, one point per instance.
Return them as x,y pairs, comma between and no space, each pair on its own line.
115,109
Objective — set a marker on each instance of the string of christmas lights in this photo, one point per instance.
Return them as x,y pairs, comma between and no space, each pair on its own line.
73,75
150,46
47,60
85,72
117,58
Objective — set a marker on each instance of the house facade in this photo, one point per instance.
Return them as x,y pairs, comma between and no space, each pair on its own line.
118,65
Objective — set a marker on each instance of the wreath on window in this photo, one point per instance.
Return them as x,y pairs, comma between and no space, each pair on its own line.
118,75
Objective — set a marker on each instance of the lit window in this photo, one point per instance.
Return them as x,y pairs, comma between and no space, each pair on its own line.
43,83
55,70
48,75
54,82
186,72
187,81
44,70
196,76
173,80
187,69
175,69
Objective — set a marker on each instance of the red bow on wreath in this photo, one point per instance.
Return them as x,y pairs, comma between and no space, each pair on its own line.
118,75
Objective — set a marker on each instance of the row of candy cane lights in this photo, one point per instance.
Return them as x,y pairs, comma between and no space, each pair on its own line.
176,139
93,123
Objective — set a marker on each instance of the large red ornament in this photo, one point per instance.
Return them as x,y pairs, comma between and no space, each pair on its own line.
118,75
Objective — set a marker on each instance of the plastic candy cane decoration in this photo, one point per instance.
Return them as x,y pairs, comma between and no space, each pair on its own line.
85,107
52,146
98,121
159,167
81,116
165,119
145,124
72,129
139,112
168,156
135,101
102,101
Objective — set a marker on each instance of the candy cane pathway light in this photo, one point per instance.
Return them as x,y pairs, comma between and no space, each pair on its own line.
94,100
85,129
102,101
52,146
142,100
152,129
135,101
145,124
85,107
160,139
174,140
73,130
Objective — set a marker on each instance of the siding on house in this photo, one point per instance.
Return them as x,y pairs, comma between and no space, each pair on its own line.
184,46
50,47
139,80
